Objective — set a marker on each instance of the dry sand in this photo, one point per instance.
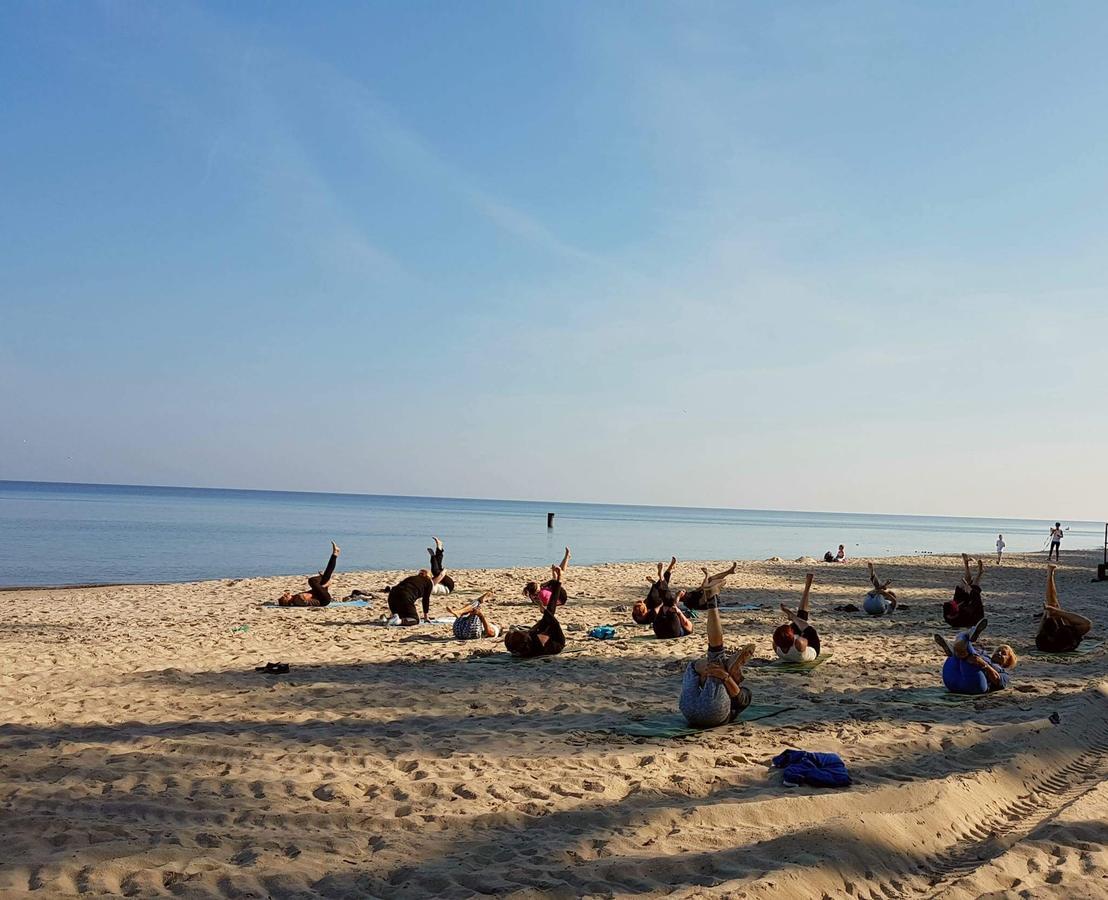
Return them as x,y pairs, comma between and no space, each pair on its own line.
140,754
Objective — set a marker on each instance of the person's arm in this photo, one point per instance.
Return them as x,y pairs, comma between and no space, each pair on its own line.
428,586
729,683
686,622
991,674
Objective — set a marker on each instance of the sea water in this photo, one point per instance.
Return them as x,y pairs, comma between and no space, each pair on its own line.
55,534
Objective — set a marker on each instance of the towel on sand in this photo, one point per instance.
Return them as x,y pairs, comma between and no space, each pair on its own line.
349,604
674,726
816,769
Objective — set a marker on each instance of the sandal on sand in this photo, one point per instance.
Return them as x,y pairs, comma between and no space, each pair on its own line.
273,668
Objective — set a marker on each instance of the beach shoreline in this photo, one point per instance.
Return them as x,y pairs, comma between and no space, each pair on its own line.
145,756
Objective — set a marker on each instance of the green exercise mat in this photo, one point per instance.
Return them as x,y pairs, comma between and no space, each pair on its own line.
674,726
780,667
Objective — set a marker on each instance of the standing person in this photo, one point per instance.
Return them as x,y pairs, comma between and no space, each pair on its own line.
446,586
1000,545
317,593
1056,535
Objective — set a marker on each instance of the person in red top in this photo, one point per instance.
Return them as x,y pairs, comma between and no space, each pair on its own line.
542,594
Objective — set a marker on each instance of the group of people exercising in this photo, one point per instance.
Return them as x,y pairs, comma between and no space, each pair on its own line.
712,691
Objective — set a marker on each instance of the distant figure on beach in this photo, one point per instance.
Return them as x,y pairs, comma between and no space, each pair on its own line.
835,557
317,593
712,692
1059,631
543,593
705,596
403,597
967,608
446,585
880,599
797,640
1056,535
643,611
1000,545
472,622
968,671
544,638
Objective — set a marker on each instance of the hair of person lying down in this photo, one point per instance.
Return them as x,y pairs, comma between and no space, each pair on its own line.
530,589
517,641
1005,656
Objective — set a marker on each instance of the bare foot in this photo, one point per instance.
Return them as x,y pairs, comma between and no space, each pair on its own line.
659,572
745,656
438,543
672,561
734,567
788,612
335,550
1050,567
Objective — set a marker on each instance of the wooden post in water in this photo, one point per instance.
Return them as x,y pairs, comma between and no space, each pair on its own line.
550,520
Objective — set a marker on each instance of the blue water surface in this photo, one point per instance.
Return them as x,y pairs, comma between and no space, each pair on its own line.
53,534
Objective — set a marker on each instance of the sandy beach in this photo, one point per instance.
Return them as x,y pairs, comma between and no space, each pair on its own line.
142,755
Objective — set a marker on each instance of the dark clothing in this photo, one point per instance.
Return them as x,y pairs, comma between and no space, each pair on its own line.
667,624
547,625
659,593
966,609
809,633
317,584
696,599
1056,636
436,567
740,701
403,596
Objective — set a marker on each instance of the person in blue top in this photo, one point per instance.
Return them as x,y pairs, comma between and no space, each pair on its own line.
880,600
969,671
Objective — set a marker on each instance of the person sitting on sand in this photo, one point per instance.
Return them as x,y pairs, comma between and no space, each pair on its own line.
1059,631
446,586
712,692
880,600
644,610
670,620
544,638
543,593
317,593
841,555
968,671
805,644
704,597
966,609
403,596
471,622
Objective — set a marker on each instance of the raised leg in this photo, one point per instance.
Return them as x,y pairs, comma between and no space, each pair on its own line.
565,560
965,563
669,569
1051,589
808,579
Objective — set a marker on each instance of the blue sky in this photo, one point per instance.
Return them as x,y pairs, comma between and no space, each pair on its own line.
837,256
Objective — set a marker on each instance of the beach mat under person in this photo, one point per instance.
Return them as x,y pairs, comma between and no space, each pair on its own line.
673,726
782,667
1084,649
510,659
349,604
931,694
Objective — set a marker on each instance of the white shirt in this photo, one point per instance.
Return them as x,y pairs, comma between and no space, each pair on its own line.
999,545
1056,535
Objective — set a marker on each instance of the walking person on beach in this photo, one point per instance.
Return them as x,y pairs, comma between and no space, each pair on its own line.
1056,535
1000,545
317,593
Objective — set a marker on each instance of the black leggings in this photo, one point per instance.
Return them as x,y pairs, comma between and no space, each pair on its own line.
436,568
318,583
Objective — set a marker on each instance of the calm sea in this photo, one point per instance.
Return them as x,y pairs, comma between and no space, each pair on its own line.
53,534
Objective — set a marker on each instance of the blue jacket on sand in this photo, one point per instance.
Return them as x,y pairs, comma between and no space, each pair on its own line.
816,769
